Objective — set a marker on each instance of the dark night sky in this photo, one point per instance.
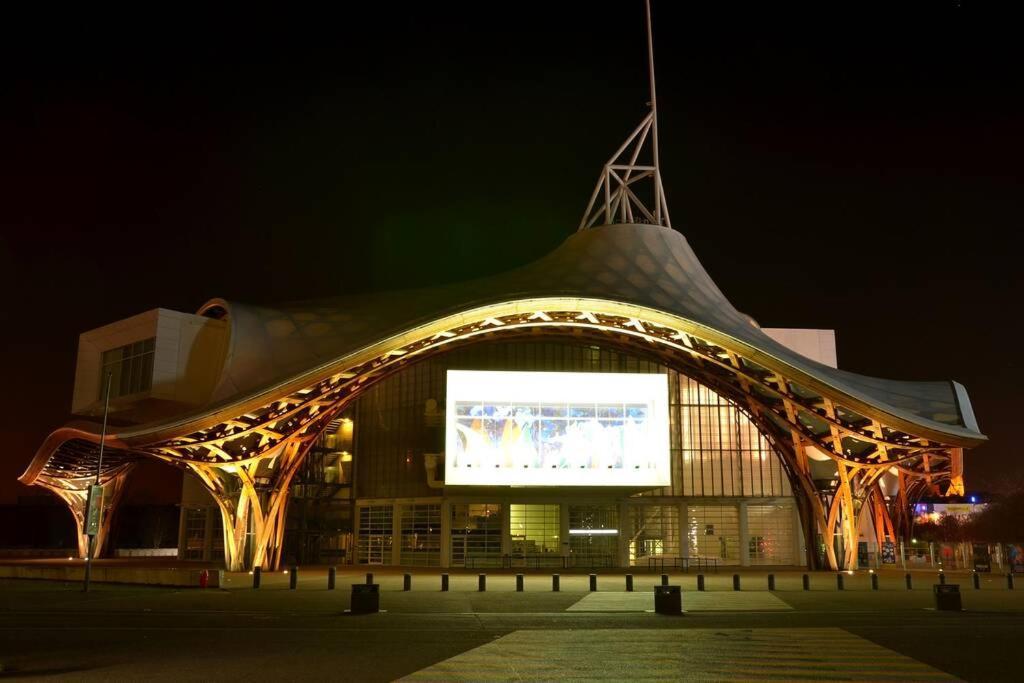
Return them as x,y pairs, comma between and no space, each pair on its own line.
857,170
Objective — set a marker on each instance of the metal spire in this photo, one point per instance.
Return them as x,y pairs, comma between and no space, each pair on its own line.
617,185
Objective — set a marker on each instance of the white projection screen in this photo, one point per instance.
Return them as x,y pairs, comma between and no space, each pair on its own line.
556,429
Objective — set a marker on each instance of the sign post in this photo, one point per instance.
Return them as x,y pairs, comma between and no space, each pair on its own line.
94,506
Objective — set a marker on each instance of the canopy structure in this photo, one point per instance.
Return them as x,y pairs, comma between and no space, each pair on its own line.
291,369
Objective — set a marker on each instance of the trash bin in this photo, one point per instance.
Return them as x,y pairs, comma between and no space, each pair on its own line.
668,600
947,596
365,598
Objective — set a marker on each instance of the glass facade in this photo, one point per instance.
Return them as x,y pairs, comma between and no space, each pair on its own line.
729,498
716,449
720,452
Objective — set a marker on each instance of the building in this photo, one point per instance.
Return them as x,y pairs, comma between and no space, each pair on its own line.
329,429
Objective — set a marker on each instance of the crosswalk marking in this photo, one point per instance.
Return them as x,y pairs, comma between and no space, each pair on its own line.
782,654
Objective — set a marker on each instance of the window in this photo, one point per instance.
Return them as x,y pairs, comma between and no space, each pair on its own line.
720,450
535,531
195,533
653,532
130,368
217,538
771,529
593,535
375,534
421,535
476,535
714,532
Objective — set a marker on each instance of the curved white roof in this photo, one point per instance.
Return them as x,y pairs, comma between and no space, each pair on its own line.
646,265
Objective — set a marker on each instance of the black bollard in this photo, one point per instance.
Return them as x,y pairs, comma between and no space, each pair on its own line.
700,582
369,578
332,575
293,578
444,582
481,582
519,583
555,582
839,582
664,579
807,582
629,583
874,582
976,580
771,582
257,573
407,582
942,578
1009,581
593,582
910,582
735,582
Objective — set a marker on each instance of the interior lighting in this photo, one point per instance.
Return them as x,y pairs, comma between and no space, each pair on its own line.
593,532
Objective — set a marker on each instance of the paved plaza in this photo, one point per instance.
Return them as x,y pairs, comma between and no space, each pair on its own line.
52,630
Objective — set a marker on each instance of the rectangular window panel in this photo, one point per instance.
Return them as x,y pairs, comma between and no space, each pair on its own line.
722,453
195,533
714,532
476,535
421,535
375,534
130,368
653,533
593,535
536,535
217,542
771,533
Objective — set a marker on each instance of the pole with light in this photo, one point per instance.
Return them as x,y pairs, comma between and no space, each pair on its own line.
94,506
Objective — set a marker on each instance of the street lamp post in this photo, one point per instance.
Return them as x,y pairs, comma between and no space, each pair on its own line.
94,507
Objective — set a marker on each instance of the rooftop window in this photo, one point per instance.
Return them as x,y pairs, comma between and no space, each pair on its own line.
130,368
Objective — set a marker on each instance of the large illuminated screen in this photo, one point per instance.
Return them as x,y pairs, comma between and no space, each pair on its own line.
556,429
